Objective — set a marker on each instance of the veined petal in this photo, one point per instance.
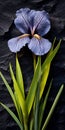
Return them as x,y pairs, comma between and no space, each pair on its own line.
21,21
15,44
31,16
40,21
39,46
26,10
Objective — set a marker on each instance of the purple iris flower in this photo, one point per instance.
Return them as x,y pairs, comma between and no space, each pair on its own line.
33,25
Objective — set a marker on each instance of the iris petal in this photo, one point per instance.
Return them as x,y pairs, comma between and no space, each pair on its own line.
21,21
35,22
39,46
31,16
26,10
15,44
40,21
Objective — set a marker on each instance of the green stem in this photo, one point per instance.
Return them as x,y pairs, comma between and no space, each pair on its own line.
25,124
34,61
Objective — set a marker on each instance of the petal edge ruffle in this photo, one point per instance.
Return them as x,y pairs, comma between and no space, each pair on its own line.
15,44
39,46
40,21
21,21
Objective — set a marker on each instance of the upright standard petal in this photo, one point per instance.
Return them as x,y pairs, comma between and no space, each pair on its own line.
31,16
40,21
25,10
15,44
21,21
39,46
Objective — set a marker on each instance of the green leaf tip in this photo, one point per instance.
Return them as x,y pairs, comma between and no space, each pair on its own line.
12,115
19,77
52,108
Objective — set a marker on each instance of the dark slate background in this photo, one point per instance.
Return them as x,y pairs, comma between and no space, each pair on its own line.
56,9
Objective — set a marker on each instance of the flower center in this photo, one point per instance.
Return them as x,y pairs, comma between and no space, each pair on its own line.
29,35
24,35
37,36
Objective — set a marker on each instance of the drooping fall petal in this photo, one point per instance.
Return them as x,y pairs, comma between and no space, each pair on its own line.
15,44
39,46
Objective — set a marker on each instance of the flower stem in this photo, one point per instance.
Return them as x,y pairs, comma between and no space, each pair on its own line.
25,124
34,61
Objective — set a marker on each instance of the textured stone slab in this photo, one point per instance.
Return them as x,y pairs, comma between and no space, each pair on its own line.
56,10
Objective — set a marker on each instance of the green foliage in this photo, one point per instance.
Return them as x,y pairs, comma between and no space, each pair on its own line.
31,109
13,116
19,77
43,105
33,86
52,108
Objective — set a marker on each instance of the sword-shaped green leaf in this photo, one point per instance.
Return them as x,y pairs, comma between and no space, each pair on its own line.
46,66
43,106
18,108
52,108
19,77
33,86
44,79
13,116
12,95
19,93
50,57
8,88
36,108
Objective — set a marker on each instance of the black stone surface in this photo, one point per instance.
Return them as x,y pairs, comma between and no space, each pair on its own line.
56,9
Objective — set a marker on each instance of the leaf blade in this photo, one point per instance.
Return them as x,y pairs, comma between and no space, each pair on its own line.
19,77
43,105
51,56
33,86
18,108
52,108
44,79
19,93
36,108
11,94
13,116
8,88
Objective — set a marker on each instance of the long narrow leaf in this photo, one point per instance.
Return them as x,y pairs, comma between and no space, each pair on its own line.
43,106
46,66
8,88
13,116
53,43
36,109
19,77
19,93
11,93
52,108
44,79
51,56
31,124
33,86
18,108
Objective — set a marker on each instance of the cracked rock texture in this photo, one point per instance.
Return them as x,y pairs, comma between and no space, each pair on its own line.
56,9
